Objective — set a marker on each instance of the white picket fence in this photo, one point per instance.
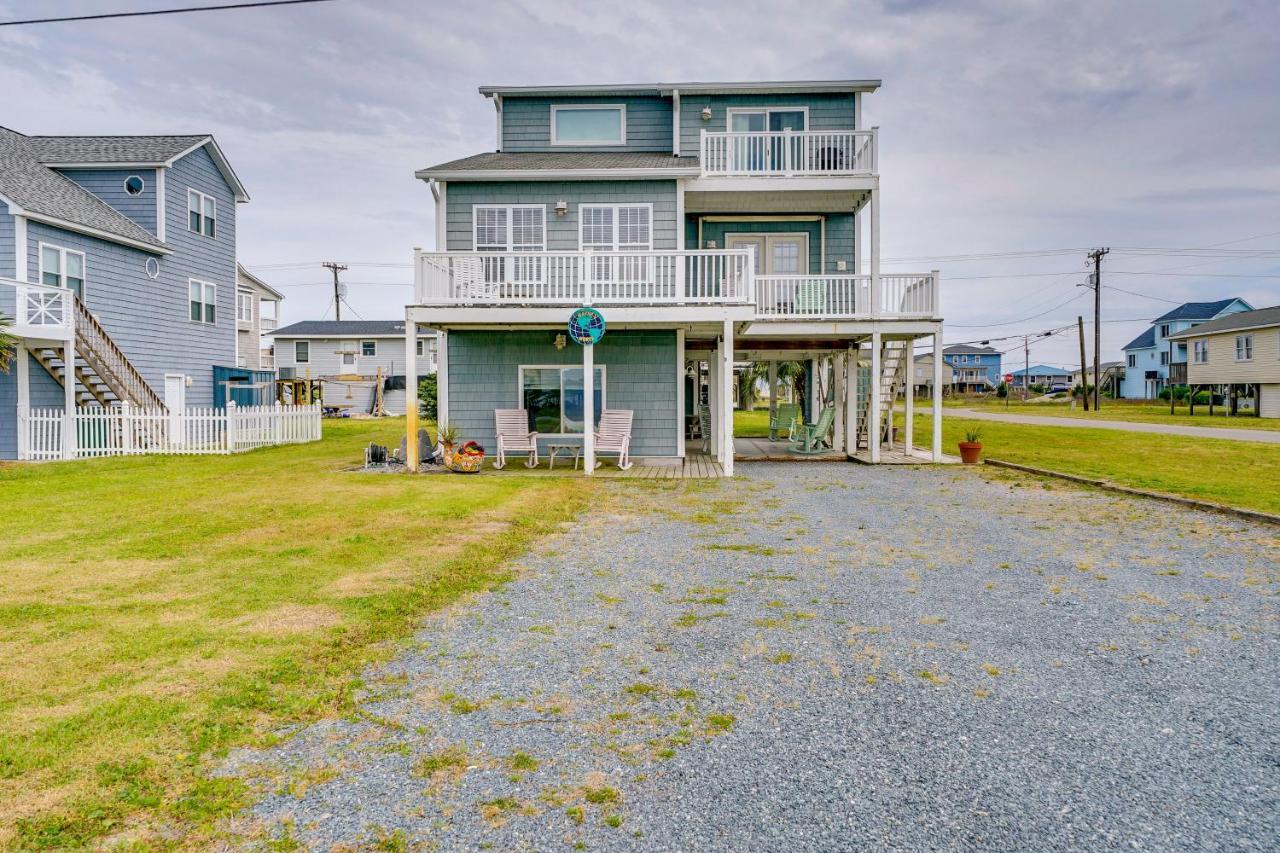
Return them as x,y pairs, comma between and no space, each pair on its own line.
127,430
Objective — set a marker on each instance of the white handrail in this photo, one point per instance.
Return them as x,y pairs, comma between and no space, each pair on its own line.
37,306
912,296
788,152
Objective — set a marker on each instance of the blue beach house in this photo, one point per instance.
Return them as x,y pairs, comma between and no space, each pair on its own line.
1152,361
977,368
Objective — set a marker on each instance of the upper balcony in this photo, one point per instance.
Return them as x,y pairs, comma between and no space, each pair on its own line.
788,153
38,312
671,279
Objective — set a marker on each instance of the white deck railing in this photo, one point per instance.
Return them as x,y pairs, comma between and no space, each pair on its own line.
37,310
480,279
808,297
788,152
128,430
584,278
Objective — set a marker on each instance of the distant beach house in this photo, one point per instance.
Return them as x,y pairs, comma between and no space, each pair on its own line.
1042,374
1152,362
1240,354
977,368
257,312
922,376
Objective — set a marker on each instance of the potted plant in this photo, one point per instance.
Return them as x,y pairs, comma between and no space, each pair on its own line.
971,447
448,434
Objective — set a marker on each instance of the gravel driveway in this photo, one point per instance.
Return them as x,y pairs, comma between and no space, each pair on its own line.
826,656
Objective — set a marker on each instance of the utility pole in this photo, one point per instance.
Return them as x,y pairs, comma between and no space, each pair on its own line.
337,287
1096,256
1084,366
1026,366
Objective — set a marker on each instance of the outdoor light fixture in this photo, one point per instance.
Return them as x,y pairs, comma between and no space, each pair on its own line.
561,341
562,207
706,113
711,244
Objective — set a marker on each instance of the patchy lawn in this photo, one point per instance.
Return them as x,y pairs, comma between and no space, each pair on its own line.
753,424
155,611
1242,474
1137,411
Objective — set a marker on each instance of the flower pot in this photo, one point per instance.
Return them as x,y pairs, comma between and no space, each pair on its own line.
970,451
446,453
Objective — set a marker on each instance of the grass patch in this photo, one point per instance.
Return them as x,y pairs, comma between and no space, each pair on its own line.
602,795
522,762
157,611
1130,411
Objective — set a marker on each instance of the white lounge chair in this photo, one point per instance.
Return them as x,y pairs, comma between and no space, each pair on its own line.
614,435
514,436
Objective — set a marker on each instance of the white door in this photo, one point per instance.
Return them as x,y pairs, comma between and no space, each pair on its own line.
347,363
175,400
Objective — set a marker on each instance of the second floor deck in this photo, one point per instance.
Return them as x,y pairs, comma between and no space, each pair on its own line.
668,279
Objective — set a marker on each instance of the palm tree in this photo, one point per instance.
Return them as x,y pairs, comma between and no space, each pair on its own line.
7,343
749,380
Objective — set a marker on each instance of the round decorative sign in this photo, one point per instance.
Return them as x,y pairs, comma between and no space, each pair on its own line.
586,326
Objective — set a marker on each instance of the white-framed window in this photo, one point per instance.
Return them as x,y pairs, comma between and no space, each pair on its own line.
552,394
756,119
1164,358
244,306
617,228
1200,352
61,267
1164,330
134,185
589,124
427,346
1133,359
202,213
1244,347
510,228
302,352
368,348
203,298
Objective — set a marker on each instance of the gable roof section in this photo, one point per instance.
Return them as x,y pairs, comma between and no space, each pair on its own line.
1043,370
150,151
252,279
44,195
1199,310
559,165
342,329
1146,340
1261,318
969,349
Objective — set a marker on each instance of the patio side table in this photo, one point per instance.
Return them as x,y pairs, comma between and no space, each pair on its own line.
554,450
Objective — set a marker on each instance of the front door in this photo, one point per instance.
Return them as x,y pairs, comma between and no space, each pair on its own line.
776,254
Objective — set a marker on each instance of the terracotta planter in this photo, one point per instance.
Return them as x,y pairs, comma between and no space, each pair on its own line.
970,451
446,453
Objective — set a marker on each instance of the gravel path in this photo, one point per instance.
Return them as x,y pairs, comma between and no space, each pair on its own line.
819,656
1236,434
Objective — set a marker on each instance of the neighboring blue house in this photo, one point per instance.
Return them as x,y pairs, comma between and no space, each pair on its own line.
131,239
1152,361
710,223
1052,378
977,369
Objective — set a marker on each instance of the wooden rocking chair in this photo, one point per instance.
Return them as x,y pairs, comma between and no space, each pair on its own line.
811,438
514,436
614,435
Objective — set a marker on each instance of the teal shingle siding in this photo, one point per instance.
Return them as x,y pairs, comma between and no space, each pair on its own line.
839,236
562,231
640,374
108,185
826,112
526,123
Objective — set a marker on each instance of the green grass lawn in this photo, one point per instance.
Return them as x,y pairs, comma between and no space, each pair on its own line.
752,424
1242,474
1139,411
155,611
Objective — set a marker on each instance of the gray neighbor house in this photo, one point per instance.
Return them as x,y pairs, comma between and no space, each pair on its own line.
131,240
710,223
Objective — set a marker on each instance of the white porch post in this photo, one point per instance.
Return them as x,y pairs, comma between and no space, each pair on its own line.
937,395
22,364
814,405
851,401
726,388
680,404
909,398
713,401
442,381
411,450
873,212
588,408
69,399
773,390
838,363
876,391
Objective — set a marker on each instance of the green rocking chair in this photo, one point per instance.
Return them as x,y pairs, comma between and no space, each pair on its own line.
783,420
811,438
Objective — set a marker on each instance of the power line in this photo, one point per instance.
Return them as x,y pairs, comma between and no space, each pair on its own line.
1020,320
1144,295
174,11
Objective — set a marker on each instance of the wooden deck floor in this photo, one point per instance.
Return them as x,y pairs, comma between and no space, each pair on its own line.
899,456
695,466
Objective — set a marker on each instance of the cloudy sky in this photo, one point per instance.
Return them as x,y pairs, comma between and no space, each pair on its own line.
1006,127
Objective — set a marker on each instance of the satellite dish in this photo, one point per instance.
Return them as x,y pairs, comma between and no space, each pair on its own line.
342,291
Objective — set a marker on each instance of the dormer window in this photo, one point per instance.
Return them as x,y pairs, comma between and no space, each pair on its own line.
589,124
202,213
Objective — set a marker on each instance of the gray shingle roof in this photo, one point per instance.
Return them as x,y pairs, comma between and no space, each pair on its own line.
341,328
110,149
962,349
564,161
26,181
1197,310
1232,322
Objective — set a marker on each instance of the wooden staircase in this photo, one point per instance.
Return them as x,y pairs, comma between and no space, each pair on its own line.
895,358
104,374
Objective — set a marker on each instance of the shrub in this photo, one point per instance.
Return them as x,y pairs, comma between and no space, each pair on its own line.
1036,388
427,396
1002,390
1202,398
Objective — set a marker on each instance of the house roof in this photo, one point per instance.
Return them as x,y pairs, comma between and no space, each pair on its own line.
753,87
257,282
46,196
1043,370
1146,340
1261,318
1198,310
966,349
150,151
342,329
503,165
